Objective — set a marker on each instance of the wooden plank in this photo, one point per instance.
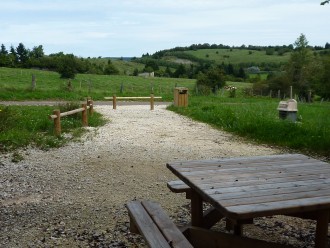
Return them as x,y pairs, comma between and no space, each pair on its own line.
219,176
201,238
271,186
238,164
275,208
172,234
146,225
268,198
254,181
280,168
243,193
178,186
241,160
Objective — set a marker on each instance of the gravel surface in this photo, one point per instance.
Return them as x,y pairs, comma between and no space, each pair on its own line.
75,196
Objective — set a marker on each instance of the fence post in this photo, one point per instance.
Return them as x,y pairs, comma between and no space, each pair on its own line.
114,102
84,115
91,108
90,105
57,122
152,102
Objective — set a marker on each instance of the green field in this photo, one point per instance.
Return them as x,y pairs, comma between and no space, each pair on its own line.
250,117
238,56
15,84
257,119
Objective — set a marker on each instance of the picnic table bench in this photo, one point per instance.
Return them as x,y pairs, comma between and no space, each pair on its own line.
150,220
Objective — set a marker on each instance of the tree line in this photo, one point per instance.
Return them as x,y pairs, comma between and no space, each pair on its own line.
68,65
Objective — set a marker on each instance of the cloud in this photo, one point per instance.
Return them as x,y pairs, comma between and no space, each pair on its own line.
146,25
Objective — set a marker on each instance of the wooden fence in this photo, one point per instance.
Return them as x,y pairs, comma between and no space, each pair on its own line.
152,98
56,116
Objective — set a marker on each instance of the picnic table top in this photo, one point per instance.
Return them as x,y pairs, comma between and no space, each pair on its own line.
249,187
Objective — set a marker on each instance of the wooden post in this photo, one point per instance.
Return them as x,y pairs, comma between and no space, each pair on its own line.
309,96
279,94
33,87
290,92
152,102
84,115
321,239
114,102
91,107
57,122
196,209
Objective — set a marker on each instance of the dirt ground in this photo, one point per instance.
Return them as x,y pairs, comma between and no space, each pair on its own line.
75,196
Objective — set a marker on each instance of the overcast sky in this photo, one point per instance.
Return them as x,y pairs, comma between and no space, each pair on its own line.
128,28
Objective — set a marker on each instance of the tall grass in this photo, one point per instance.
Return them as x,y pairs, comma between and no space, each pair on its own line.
257,119
21,126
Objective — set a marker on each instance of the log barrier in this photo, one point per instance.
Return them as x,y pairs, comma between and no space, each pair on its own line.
56,116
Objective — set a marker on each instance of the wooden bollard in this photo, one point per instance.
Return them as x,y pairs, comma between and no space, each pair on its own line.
152,102
84,115
90,105
57,122
114,102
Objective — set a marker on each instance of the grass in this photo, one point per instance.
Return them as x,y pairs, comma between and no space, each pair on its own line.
237,56
253,118
21,126
15,84
257,119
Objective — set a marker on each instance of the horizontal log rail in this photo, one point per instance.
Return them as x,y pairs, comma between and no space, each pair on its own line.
114,99
56,116
131,97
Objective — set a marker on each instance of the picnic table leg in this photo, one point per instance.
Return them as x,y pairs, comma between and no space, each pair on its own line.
321,236
196,209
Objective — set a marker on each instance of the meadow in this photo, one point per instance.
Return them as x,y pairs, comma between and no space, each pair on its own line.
257,119
15,84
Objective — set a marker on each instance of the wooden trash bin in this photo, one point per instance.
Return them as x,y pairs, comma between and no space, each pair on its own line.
181,97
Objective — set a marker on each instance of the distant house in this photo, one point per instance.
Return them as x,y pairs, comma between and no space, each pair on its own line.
147,74
253,69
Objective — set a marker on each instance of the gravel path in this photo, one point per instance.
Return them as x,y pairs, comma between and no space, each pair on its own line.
75,196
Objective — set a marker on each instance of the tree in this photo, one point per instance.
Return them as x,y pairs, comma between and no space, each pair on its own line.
3,50
298,69
37,52
4,56
213,80
22,54
12,57
180,72
67,66
110,69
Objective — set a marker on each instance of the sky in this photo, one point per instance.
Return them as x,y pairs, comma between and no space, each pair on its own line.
128,28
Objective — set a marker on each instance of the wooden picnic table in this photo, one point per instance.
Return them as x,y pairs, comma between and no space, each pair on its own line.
244,188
